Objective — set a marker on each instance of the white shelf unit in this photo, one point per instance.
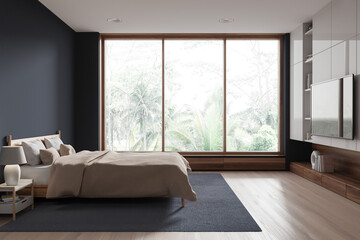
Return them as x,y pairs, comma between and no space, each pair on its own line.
307,73
300,89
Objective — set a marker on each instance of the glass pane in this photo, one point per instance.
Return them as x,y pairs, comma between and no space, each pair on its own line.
252,95
133,85
194,76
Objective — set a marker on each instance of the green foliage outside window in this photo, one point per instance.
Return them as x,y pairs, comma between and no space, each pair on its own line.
193,122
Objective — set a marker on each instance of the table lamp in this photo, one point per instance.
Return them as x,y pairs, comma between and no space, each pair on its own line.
12,156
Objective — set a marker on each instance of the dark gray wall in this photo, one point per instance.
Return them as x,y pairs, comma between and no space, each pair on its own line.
43,61
87,85
36,72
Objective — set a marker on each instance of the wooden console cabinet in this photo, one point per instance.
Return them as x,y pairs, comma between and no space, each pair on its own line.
336,182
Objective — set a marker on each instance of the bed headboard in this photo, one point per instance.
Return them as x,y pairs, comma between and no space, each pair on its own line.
18,142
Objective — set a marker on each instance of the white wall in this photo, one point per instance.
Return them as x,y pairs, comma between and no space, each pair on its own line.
336,52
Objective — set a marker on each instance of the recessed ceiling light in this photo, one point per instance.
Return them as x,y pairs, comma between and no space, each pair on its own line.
115,20
226,20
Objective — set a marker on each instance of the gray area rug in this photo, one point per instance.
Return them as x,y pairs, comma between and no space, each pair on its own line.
216,210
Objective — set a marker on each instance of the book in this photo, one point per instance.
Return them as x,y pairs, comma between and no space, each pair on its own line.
324,163
9,198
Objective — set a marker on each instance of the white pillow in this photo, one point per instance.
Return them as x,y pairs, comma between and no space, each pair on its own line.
32,151
53,142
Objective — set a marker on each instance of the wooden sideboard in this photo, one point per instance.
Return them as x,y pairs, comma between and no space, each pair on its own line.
339,183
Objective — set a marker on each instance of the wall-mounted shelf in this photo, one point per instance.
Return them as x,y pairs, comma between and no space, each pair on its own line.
309,60
309,32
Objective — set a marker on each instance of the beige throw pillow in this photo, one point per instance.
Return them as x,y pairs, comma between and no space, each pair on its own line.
66,149
48,156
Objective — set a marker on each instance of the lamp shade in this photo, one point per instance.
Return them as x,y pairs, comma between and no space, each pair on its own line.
12,155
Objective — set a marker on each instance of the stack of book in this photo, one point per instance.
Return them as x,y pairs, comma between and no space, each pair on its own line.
9,198
322,163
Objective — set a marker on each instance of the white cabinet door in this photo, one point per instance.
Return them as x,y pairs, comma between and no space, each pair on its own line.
296,102
343,58
296,45
322,66
343,24
344,63
322,29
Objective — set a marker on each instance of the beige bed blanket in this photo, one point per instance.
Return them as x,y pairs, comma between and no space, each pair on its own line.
105,174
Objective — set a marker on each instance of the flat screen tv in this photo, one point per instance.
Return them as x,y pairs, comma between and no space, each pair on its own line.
332,108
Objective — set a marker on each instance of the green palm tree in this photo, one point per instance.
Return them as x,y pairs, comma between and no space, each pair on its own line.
195,130
145,111
134,114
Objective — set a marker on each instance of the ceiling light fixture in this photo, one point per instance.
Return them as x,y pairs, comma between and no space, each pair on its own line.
115,20
226,20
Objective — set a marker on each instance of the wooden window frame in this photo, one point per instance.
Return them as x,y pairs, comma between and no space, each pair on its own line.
185,36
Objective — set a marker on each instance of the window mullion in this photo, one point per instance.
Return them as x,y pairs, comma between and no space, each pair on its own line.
224,113
163,98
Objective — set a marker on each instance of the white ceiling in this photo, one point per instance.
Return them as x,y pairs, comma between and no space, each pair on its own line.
184,16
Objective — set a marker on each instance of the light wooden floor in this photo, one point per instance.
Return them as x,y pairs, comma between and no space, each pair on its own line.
284,205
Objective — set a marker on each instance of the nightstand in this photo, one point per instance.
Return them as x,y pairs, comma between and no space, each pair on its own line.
24,202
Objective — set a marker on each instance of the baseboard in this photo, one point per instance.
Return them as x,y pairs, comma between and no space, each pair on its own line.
237,163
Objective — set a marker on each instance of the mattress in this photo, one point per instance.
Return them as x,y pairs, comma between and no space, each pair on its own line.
40,173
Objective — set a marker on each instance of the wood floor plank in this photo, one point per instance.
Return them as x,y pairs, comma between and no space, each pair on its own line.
284,205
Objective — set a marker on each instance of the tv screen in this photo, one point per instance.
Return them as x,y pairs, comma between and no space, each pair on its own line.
332,108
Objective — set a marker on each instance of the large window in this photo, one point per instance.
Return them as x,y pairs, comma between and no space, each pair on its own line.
133,100
252,81
194,77
219,95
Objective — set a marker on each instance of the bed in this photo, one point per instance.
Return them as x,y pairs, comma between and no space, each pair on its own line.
108,174
40,173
